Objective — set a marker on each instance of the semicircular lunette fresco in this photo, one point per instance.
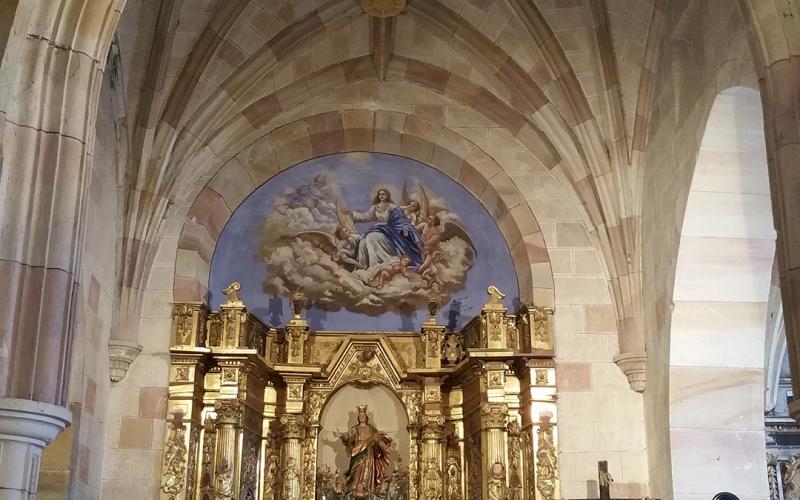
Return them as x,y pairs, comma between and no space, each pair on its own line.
368,237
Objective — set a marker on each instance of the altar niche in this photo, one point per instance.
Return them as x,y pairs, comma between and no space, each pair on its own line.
385,412
252,409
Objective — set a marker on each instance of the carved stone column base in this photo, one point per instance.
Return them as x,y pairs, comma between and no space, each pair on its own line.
26,427
634,366
121,354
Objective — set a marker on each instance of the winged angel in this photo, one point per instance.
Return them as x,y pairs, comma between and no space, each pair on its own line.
406,251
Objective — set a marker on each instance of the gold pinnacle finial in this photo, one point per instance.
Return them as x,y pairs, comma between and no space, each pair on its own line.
232,291
495,295
299,303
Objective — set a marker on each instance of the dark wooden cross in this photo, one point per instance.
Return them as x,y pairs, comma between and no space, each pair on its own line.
604,481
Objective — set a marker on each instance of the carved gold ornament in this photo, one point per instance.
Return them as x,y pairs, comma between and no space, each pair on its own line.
514,461
474,485
249,470
293,426
792,478
413,403
383,8
291,479
541,329
314,404
546,460
309,461
494,415
453,472
184,314
432,480
182,374
174,470
224,476
232,292
497,482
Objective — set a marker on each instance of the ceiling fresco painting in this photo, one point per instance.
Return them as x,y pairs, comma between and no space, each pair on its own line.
368,238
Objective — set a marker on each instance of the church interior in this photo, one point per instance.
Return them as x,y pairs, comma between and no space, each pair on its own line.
399,249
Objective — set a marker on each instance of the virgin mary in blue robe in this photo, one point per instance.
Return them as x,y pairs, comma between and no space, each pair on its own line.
393,235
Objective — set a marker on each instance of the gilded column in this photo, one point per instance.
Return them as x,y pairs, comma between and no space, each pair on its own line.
412,400
293,429
431,436
538,438
227,464
494,417
310,461
270,445
454,450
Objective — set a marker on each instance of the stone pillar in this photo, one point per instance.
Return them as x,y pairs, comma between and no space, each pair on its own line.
26,427
47,122
782,126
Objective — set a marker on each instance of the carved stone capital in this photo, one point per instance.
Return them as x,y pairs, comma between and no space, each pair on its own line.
634,366
121,354
26,427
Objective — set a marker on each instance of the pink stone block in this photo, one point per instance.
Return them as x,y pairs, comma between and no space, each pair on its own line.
573,377
153,402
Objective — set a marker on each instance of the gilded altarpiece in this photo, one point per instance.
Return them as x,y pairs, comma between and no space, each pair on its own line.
245,403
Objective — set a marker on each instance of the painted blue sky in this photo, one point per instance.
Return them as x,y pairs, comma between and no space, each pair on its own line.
236,257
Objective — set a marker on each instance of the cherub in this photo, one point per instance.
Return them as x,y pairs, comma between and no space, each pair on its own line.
429,271
430,232
412,211
341,246
346,249
386,273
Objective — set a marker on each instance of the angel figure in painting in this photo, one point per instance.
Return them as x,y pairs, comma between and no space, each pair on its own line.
369,452
435,230
384,274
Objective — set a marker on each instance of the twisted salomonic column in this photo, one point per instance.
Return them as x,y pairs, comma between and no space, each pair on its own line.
47,122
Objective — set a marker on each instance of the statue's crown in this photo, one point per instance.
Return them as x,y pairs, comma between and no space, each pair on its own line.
362,408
